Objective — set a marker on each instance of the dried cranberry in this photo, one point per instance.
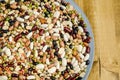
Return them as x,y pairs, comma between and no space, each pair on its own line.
41,31
17,37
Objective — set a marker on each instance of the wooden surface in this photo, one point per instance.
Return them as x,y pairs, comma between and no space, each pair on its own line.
104,17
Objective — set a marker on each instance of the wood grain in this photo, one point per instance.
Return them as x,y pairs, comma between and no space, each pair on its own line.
104,16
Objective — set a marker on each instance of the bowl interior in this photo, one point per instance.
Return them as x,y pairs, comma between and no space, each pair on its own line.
91,34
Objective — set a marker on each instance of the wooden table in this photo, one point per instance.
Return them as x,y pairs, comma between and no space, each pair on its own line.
104,17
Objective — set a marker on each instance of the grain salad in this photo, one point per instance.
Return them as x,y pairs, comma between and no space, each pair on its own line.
42,40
